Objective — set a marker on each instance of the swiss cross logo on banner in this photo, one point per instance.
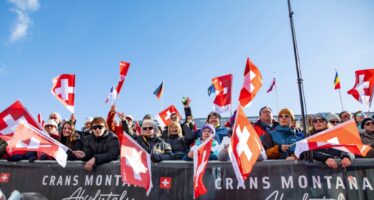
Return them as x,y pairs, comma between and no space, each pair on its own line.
165,182
63,90
4,177
163,117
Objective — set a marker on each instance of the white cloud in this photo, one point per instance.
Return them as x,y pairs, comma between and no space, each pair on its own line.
23,22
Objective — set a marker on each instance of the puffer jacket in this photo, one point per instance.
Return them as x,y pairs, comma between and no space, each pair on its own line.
273,141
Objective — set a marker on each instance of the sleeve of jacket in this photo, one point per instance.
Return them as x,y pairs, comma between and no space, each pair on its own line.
87,150
344,154
188,135
112,152
126,127
110,120
272,149
318,155
187,111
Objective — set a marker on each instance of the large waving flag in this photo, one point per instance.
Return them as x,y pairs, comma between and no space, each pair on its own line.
245,147
135,164
10,117
163,117
344,137
123,69
251,84
362,91
159,90
200,161
336,81
27,138
63,89
222,87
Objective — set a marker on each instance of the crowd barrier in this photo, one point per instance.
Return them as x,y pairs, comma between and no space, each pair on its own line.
269,180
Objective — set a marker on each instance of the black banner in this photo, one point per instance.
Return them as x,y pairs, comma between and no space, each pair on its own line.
269,180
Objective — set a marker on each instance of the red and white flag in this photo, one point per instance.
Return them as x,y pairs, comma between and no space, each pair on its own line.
63,89
344,137
223,87
27,138
163,117
200,160
272,86
123,69
10,117
245,147
251,84
135,164
362,91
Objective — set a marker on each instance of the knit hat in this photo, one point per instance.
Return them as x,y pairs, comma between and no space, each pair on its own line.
51,122
209,126
288,112
364,121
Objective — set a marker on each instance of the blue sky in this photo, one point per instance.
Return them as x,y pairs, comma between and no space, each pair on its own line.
185,44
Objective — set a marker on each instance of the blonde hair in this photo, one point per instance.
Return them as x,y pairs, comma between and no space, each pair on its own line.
179,128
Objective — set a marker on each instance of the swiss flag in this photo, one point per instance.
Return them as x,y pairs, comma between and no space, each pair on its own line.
200,160
63,89
4,177
344,137
123,69
251,84
223,87
165,182
28,138
163,117
10,117
362,91
245,147
135,164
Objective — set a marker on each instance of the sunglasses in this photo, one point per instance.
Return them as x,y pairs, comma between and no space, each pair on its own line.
369,123
346,116
97,127
318,120
284,116
147,128
334,121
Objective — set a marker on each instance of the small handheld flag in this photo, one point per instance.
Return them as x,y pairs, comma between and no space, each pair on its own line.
336,81
160,89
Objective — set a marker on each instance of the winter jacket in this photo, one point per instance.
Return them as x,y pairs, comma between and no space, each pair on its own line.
104,148
273,141
73,142
367,138
262,128
180,145
3,146
213,153
323,154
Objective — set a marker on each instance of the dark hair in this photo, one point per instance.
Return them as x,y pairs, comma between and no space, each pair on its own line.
342,112
213,114
259,113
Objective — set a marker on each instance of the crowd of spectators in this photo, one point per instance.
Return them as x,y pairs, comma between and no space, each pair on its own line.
99,140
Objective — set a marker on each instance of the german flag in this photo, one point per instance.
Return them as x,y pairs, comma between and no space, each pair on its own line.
336,81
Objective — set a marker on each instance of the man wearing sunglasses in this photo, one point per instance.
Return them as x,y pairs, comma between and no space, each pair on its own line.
100,147
266,122
367,135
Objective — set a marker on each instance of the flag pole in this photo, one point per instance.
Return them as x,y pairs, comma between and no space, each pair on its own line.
162,95
341,101
299,77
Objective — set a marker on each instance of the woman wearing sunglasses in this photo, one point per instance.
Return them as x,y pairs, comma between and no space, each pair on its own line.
367,135
320,123
100,147
277,142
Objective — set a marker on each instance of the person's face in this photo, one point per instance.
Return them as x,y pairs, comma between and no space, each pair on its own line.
284,119
319,124
55,118
359,117
345,116
67,130
50,129
206,133
266,115
213,120
334,122
369,126
98,129
189,118
87,125
174,117
129,121
173,130
148,130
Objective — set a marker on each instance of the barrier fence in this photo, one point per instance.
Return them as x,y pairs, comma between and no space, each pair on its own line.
270,180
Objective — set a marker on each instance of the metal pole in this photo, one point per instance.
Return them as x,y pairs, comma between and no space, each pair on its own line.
299,76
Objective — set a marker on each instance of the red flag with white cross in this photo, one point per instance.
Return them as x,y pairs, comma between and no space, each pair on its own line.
251,84
63,89
165,182
9,119
223,87
4,177
245,147
362,91
163,117
135,164
200,161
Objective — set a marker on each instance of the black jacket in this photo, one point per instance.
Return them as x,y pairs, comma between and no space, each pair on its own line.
104,148
323,154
